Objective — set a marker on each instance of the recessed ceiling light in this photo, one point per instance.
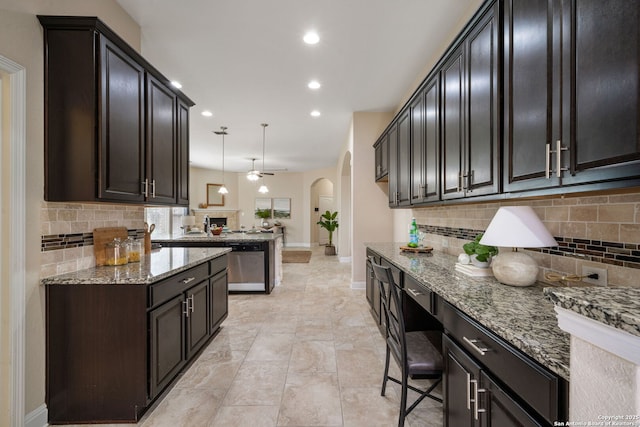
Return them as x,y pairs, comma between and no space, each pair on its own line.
207,113
314,84
315,113
311,37
176,84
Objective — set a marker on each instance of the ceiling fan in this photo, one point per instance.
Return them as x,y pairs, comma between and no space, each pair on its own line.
253,174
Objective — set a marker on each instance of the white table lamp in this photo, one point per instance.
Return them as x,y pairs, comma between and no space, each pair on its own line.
516,227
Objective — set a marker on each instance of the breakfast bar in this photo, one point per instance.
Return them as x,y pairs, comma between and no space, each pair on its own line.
525,355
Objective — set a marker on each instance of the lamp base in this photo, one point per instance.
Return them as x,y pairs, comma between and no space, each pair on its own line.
515,269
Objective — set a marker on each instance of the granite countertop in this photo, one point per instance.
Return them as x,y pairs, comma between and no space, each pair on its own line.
158,265
522,316
615,307
224,237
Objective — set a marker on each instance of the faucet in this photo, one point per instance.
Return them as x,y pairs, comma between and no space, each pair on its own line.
205,224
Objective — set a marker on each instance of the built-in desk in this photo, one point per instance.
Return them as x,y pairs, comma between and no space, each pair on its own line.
524,371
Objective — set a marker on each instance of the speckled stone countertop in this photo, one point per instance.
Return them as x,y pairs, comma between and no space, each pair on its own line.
160,264
224,237
524,317
615,307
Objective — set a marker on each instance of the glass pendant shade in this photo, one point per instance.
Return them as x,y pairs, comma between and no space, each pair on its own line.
223,132
263,189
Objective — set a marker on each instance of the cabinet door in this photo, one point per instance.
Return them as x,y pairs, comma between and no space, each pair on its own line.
452,125
601,90
392,165
219,306
198,318
382,154
531,93
183,154
417,150
431,154
500,408
458,386
122,154
162,152
167,343
404,159
481,165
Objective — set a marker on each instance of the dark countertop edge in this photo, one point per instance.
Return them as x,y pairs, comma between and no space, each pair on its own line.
602,305
69,279
533,352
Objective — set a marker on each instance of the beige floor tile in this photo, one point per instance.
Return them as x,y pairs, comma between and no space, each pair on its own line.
271,346
313,356
364,407
186,408
311,400
257,383
359,367
244,416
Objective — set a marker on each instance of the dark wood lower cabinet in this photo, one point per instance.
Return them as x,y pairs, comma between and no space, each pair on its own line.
113,349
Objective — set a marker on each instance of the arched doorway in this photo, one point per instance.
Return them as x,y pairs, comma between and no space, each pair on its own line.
321,200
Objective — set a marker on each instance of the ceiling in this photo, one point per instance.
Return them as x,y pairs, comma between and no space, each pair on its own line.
246,62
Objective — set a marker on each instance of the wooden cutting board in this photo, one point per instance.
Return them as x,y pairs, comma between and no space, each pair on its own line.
102,236
421,249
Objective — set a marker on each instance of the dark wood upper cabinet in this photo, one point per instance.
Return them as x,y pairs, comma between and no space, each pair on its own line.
471,112
572,99
392,165
425,144
381,148
404,159
113,129
162,146
122,133
600,90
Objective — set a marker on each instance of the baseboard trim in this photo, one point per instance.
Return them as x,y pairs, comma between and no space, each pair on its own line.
297,245
38,417
345,259
358,285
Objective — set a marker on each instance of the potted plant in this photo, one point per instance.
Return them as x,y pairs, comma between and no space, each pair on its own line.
480,254
328,221
264,214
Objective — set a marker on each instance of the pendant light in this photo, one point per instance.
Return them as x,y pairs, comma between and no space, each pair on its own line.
263,188
223,132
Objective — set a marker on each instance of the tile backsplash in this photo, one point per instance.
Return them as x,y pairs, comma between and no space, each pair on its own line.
596,230
67,232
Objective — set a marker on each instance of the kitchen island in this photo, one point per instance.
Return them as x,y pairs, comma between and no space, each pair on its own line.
498,338
117,336
255,263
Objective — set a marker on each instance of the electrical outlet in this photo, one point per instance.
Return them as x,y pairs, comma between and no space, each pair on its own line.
445,243
601,272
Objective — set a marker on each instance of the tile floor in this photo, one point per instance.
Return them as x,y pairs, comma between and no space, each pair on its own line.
309,354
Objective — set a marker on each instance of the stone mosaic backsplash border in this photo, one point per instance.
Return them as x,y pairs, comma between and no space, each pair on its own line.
613,253
52,242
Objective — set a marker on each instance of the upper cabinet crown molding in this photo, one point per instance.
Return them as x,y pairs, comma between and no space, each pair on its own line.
115,128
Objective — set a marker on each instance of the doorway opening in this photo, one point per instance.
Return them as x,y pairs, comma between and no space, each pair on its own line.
321,201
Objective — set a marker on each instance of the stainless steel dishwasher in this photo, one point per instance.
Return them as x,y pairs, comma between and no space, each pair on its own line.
246,267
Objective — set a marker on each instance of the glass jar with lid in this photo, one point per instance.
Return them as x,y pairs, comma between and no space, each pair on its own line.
134,249
116,252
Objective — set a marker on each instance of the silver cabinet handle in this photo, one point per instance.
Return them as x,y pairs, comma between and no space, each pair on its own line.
460,187
191,305
188,279
145,187
414,293
559,150
473,342
153,188
185,305
476,409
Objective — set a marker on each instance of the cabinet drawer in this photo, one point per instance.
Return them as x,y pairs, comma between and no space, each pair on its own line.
174,285
217,265
537,387
420,294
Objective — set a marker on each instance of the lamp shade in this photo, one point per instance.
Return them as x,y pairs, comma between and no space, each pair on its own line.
517,227
188,220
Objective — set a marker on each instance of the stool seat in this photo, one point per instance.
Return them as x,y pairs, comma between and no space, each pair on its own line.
424,360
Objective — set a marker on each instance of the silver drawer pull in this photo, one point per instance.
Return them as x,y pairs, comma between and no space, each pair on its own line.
468,391
476,401
191,304
414,293
185,304
473,343
188,279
